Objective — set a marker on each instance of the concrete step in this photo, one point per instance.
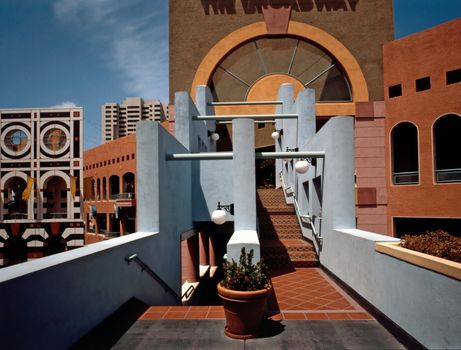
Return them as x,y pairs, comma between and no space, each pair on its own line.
282,244
282,236
274,210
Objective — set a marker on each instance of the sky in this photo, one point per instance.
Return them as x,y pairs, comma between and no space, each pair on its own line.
89,52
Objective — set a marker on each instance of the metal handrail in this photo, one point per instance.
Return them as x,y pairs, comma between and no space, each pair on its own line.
142,264
396,176
124,195
316,234
454,175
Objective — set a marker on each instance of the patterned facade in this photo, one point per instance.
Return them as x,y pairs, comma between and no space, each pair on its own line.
41,181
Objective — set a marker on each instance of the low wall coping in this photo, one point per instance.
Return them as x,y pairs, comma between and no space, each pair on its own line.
433,263
28,267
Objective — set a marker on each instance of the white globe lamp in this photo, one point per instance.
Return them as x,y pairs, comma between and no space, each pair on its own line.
275,135
218,216
214,136
301,166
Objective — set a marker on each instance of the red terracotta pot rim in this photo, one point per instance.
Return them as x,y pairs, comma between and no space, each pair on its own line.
239,294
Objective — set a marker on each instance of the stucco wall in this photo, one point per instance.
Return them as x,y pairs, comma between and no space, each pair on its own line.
425,304
52,302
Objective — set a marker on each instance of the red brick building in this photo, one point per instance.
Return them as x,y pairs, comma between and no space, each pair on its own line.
422,83
109,187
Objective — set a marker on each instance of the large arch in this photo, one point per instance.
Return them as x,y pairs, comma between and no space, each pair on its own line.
323,39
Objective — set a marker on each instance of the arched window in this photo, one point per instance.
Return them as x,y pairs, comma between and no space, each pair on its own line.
104,188
98,190
447,148
114,186
128,183
405,154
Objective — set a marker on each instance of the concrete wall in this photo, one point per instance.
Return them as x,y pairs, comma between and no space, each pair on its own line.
164,195
326,191
51,302
425,304
211,180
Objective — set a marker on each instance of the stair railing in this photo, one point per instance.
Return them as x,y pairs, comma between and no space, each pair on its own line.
303,217
150,272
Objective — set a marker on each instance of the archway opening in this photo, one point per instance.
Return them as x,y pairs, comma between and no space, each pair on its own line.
55,198
15,207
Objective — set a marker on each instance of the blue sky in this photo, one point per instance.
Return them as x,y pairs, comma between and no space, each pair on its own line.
88,52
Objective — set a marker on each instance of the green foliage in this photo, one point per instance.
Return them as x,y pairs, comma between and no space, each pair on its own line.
437,243
245,276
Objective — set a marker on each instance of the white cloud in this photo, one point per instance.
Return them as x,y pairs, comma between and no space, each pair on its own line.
132,36
65,104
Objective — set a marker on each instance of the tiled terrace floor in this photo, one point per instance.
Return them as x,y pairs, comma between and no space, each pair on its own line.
307,311
301,294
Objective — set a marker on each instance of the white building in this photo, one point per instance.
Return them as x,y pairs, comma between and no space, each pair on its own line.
120,119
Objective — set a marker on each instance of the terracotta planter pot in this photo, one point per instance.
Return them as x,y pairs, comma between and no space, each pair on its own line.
244,311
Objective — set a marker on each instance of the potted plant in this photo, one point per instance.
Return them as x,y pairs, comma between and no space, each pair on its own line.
244,291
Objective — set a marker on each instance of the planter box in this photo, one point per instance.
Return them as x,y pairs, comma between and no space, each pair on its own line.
443,266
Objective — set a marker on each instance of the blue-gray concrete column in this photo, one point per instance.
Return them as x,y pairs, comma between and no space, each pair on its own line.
147,177
289,138
243,139
305,108
183,119
286,95
203,98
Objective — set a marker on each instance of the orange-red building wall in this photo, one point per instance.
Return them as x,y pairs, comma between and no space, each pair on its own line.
117,157
429,53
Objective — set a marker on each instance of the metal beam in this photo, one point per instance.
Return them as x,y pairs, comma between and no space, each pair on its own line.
284,155
256,122
245,116
258,155
243,103
200,156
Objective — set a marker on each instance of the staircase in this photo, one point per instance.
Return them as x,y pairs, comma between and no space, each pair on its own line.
282,244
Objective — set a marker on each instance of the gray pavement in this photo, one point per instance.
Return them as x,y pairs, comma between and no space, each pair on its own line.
208,334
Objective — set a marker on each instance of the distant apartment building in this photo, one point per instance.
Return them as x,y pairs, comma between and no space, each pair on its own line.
41,172
120,120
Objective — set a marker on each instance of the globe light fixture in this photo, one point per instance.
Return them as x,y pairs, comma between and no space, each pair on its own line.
218,216
301,166
276,134
214,136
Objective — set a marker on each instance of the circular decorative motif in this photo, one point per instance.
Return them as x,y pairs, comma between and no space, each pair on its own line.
16,140
55,139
